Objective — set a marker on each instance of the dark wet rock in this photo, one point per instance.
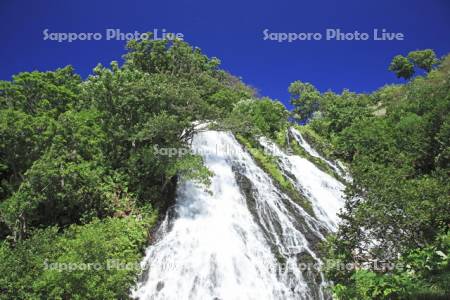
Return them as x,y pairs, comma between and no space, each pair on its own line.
159,286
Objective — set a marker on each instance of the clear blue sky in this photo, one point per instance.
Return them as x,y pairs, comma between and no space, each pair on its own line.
233,31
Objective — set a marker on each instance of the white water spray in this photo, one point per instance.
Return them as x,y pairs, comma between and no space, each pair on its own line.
337,166
243,239
324,191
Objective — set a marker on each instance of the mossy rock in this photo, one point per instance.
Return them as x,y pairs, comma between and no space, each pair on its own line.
270,166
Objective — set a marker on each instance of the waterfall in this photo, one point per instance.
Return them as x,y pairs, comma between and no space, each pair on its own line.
324,191
338,167
242,237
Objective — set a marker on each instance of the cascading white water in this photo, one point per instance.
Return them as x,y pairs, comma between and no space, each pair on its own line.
338,167
324,192
242,239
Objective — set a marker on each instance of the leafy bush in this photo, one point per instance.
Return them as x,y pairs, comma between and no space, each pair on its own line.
397,206
94,261
258,117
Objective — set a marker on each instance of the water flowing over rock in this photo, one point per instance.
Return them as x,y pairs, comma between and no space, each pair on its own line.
323,191
338,167
242,238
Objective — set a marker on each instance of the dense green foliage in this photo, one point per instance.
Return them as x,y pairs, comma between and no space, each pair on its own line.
403,67
304,97
256,117
397,144
82,165
84,168
98,260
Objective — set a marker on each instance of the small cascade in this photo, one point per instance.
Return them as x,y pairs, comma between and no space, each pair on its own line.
325,192
338,167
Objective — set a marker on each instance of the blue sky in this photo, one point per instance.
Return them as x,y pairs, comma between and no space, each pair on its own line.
233,31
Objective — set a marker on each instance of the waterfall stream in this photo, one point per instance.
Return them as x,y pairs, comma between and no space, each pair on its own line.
242,237
338,167
323,191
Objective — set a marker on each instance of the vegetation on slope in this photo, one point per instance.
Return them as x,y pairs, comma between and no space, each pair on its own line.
270,166
83,175
397,207
96,260
81,165
319,145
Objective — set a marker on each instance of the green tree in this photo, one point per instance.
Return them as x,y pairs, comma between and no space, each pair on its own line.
258,117
396,205
424,59
98,260
24,139
402,67
41,92
81,172
305,98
